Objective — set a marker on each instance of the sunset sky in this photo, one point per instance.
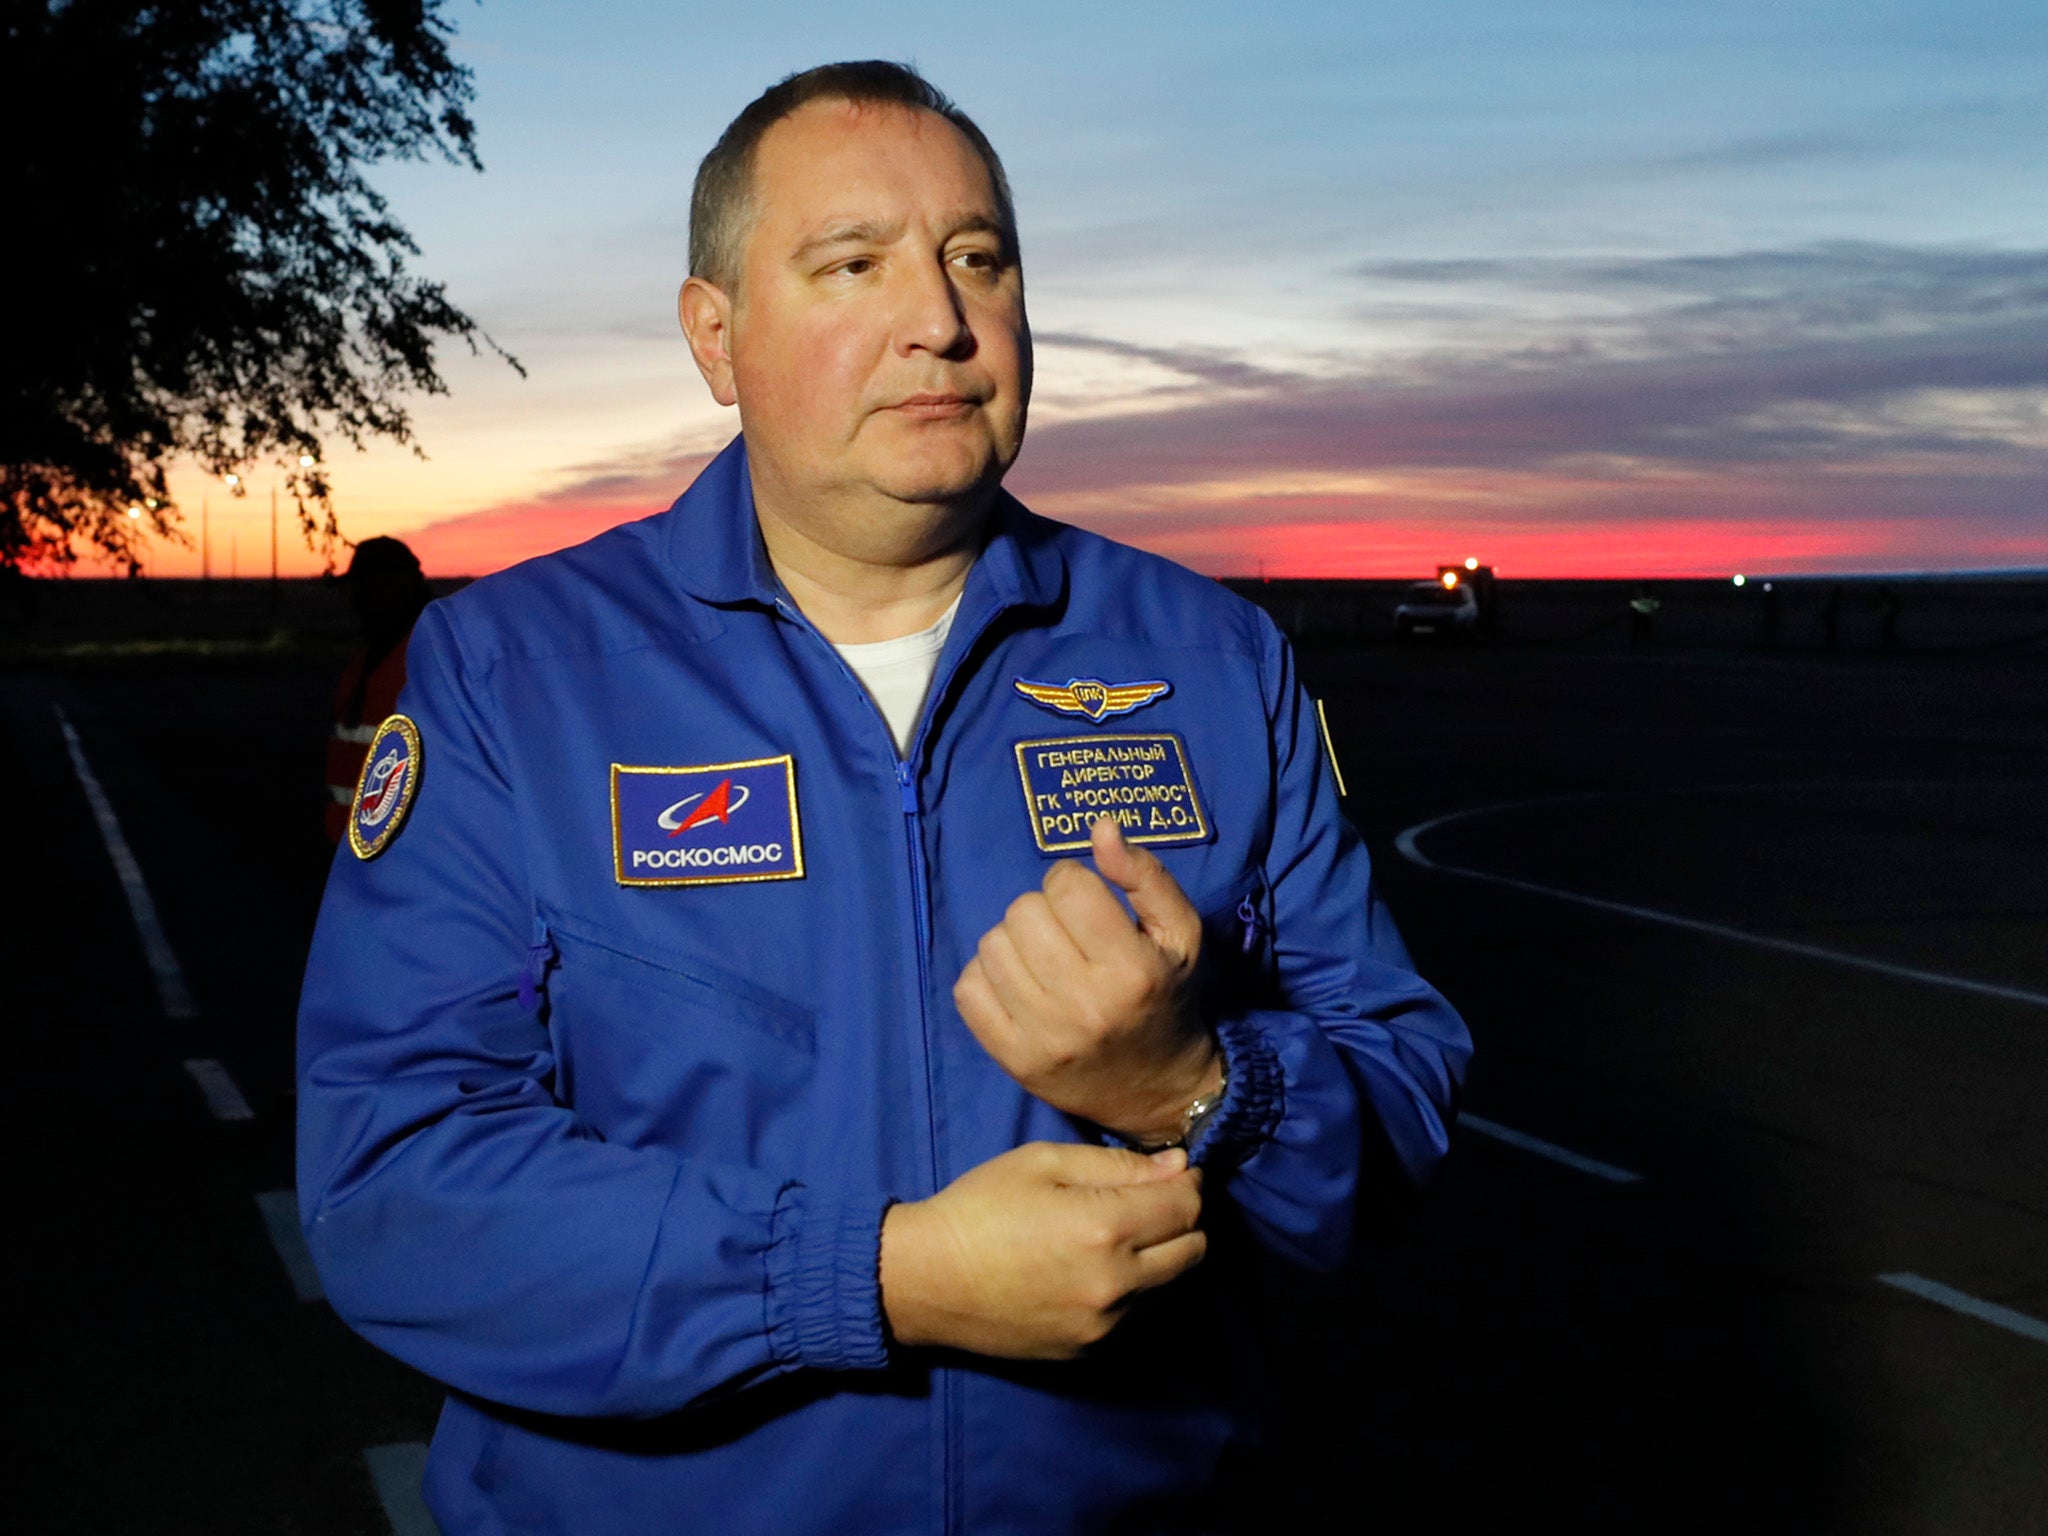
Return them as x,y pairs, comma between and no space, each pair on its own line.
1579,288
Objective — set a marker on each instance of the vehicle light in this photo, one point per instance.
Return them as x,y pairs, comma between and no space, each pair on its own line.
1471,562
1450,580
1741,581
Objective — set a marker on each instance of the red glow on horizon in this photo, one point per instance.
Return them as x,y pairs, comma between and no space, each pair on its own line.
483,542
1637,549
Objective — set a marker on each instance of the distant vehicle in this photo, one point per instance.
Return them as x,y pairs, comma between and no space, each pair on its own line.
1442,609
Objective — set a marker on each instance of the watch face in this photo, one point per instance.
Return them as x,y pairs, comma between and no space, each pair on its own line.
1199,1114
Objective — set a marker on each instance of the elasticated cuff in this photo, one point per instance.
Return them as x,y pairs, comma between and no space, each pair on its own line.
824,1288
1254,1100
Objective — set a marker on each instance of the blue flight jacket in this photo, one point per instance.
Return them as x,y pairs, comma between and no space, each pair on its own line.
610,1159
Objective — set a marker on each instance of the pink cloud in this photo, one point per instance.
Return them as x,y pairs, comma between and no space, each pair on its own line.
477,543
1872,415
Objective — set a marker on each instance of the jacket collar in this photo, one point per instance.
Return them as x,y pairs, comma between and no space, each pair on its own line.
712,545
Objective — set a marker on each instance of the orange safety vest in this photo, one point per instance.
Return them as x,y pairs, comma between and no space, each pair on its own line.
361,704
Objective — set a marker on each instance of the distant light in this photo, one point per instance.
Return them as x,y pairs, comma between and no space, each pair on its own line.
151,503
1450,580
234,479
1767,586
135,511
1741,581
305,461
1471,562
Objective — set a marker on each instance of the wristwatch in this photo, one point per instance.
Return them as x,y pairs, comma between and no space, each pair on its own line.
1192,1119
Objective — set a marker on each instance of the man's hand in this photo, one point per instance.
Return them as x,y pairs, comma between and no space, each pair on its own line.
1038,1253
1088,1011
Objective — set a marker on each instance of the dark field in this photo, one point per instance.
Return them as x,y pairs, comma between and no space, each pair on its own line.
1753,939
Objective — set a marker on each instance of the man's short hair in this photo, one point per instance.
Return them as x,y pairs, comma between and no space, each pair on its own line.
721,203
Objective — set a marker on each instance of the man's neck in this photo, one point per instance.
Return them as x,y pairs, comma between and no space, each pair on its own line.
860,590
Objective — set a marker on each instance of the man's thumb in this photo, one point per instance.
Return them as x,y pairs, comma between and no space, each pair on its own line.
1078,1163
1162,908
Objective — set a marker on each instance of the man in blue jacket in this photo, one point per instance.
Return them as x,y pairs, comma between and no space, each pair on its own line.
720,1063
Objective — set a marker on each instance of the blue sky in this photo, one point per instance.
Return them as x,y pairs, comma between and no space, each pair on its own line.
1329,283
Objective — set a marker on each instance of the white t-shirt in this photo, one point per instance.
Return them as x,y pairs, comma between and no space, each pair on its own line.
898,674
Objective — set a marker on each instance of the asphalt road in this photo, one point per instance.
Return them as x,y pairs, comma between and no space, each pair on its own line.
1710,1347
1755,949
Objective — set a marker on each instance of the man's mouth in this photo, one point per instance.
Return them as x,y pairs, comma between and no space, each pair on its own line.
936,406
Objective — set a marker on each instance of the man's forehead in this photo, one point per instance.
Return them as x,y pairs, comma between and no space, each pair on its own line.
836,151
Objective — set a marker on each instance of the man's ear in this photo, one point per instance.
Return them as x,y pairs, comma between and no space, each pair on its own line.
706,313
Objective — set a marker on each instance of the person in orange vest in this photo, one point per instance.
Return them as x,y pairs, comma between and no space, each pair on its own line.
387,591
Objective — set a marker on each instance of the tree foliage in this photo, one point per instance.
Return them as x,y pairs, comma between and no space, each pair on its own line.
202,268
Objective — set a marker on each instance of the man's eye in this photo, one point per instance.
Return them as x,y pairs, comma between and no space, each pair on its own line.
977,260
857,266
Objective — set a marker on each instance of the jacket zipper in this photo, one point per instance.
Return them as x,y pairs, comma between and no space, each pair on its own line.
913,831
950,1462
920,901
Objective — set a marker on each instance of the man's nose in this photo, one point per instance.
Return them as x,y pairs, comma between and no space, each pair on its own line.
932,317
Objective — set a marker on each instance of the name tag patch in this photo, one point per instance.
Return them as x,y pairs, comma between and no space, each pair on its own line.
710,825
1143,781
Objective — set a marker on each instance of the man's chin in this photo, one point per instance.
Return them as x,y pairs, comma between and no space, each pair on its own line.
938,463
942,485
942,494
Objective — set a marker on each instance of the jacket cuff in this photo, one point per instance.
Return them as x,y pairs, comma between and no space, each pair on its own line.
824,1289
1254,1099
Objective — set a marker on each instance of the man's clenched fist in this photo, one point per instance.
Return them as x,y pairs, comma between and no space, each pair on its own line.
1088,1010
1037,1254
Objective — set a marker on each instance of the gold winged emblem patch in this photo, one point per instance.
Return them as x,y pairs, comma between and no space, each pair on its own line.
1091,697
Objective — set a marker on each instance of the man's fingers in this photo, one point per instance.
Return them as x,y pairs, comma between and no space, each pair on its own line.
1041,940
1169,1260
1092,1167
1013,980
1157,1212
1087,911
981,1010
1163,909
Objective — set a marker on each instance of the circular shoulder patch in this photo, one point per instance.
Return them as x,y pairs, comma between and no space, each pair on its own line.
390,778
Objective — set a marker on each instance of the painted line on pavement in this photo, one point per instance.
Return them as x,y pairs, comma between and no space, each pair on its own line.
396,1472
1549,1149
280,1208
156,948
224,1100
1969,1306
1408,843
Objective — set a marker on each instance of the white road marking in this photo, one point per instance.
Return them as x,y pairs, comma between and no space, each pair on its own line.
280,1208
1549,1149
396,1471
1408,842
163,960
224,1099
1970,1306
